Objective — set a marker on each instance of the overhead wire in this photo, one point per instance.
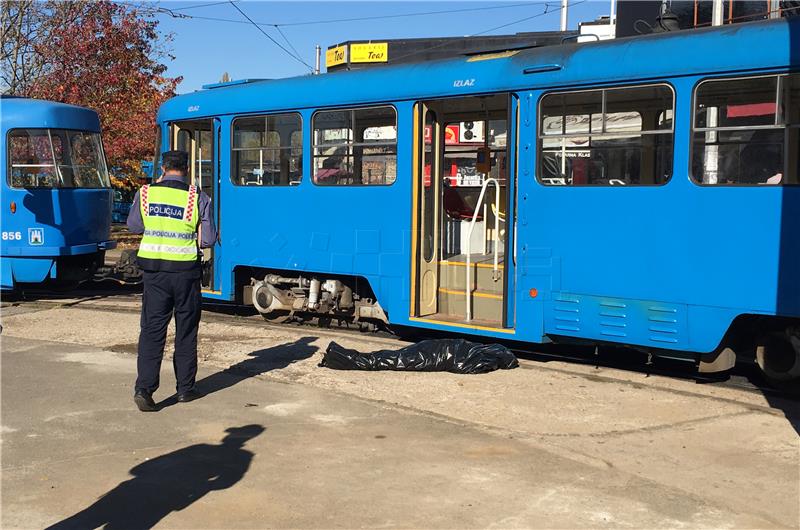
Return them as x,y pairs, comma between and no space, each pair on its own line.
296,55
199,5
402,15
172,12
545,12
287,40
519,21
278,44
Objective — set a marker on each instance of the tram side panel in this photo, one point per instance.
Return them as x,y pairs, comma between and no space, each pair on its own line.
668,267
54,234
359,233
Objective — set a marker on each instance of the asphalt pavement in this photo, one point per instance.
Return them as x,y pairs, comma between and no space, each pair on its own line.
257,453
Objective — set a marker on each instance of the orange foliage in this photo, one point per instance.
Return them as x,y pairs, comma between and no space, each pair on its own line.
105,56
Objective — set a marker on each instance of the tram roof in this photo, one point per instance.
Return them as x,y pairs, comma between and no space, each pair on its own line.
737,47
21,113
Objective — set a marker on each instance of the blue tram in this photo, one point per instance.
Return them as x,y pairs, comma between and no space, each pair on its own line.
56,196
642,191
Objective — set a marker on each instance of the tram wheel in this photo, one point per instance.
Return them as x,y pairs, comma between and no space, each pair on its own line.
277,317
778,357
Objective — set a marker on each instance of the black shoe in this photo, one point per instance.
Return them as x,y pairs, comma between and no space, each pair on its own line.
189,395
144,401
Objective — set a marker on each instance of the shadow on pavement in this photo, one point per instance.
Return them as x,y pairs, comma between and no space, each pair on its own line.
786,400
257,363
744,375
169,483
789,407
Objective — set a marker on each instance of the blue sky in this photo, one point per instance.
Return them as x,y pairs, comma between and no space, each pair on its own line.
205,49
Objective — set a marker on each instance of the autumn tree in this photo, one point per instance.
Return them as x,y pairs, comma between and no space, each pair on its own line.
96,54
24,23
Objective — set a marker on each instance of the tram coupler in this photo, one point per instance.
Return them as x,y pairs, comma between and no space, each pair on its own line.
126,270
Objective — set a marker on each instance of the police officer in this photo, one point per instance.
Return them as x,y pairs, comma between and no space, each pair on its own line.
175,221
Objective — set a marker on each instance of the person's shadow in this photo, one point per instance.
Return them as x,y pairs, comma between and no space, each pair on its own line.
257,363
169,483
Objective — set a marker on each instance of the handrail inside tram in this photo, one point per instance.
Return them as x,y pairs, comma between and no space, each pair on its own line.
496,241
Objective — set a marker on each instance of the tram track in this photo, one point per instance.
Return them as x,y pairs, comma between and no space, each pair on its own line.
530,359
730,384
216,312
734,380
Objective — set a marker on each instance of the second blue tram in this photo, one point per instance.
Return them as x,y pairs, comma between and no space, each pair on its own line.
56,196
640,191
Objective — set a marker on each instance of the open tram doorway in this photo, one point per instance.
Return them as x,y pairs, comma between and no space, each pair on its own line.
199,139
464,150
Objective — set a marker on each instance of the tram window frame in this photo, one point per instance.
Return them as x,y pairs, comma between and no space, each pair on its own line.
351,145
603,134
59,163
156,171
280,149
782,110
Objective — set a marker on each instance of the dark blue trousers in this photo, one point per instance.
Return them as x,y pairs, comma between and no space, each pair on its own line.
165,294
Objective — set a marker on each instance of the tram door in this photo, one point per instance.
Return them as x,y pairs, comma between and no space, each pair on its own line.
429,193
462,192
198,138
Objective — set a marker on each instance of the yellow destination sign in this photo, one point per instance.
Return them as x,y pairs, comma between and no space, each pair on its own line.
372,52
336,56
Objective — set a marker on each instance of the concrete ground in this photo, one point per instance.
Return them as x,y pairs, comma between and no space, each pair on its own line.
280,442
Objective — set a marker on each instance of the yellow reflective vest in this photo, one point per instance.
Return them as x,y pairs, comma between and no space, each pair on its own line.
170,216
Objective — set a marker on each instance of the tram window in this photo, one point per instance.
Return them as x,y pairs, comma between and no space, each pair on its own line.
619,136
268,150
355,147
31,159
203,159
746,131
86,166
575,113
429,188
51,158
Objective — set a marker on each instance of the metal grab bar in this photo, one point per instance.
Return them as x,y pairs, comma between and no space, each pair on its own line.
496,245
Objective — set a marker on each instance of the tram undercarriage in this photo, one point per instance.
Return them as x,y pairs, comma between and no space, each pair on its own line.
281,297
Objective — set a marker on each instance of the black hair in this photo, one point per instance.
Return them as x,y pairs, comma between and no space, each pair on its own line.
175,161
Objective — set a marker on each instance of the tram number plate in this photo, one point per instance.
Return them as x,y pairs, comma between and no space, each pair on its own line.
12,236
